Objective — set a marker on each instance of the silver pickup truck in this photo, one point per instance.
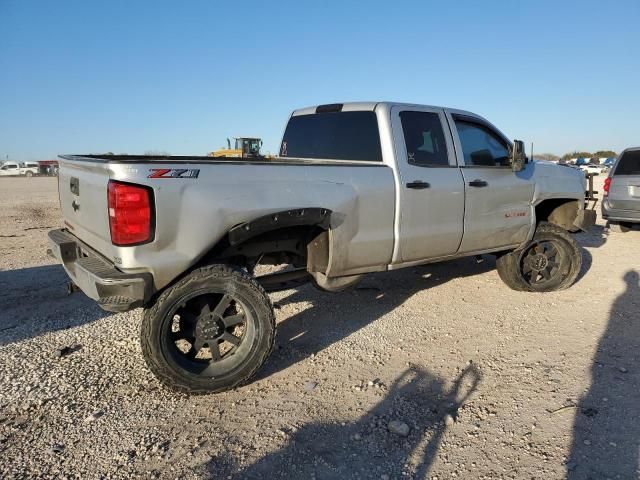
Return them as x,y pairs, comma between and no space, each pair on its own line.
356,188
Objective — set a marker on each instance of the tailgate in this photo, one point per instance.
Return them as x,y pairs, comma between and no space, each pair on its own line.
82,188
624,192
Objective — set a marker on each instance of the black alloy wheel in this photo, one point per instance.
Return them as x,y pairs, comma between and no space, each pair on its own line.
207,331
541,263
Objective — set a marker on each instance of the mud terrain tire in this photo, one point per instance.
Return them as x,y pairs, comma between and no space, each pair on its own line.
188,374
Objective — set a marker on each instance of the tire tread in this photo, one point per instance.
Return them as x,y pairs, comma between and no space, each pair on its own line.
154,359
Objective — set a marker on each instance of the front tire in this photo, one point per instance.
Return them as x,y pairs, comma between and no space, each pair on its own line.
551,261
209,332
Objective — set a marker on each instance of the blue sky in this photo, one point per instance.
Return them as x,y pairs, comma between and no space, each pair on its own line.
132,76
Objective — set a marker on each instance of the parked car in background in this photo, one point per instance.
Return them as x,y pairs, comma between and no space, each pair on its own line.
609,162
593,168
581,161
15,169
29,169
10,169
621,202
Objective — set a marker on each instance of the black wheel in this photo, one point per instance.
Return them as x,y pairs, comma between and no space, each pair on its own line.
209,332
619,227
551,261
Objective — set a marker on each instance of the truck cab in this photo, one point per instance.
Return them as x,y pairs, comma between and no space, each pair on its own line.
10,169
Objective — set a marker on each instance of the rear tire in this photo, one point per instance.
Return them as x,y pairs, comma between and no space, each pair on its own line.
209,332
619,227
551,261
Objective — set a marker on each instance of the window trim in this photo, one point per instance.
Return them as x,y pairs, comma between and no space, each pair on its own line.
484,125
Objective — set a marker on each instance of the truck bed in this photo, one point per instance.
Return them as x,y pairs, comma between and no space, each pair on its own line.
193,212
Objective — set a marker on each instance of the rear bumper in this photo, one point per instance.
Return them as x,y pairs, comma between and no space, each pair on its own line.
112,289
618,215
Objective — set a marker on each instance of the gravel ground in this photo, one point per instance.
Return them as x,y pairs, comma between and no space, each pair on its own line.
433,372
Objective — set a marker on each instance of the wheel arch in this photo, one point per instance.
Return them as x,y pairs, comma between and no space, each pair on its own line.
289,236
563,212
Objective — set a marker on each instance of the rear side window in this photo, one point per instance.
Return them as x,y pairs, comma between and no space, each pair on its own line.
424,138
334,136
629,163
481,146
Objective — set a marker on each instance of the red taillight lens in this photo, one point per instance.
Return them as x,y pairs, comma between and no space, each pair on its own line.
607,185
130,213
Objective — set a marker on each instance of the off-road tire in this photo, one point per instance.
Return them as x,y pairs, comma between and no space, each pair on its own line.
222,278
619,227
510,268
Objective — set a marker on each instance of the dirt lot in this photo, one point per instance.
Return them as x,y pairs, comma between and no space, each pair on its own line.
491,383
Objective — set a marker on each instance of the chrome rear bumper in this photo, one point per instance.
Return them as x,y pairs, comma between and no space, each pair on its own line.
112,289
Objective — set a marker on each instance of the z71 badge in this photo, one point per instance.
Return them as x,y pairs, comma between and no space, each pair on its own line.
173,173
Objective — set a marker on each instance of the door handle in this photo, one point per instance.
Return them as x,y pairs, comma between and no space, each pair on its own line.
418,185
478,183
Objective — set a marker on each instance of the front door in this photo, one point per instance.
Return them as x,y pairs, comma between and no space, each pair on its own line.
431,188
498,201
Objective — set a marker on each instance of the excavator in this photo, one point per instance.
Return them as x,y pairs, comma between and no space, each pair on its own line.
245,147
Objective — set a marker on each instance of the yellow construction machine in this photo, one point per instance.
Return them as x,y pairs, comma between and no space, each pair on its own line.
245,147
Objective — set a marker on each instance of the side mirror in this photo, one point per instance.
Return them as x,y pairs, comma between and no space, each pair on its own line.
518,157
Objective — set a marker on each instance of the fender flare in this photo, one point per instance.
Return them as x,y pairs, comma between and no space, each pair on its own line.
287,218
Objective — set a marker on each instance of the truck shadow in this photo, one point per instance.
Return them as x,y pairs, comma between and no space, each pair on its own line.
595,237
303,334
606,429
366,448
34,301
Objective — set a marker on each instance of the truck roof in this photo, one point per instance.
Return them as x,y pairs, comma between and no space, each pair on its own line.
386,107
370,106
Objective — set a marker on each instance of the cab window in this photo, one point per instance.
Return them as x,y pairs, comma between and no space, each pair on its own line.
333,135
424,139
481,147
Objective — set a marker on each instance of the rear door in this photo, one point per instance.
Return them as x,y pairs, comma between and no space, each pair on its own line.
624,191
498,201
431,187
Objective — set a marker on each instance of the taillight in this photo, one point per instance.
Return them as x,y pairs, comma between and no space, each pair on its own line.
607,185
130,213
